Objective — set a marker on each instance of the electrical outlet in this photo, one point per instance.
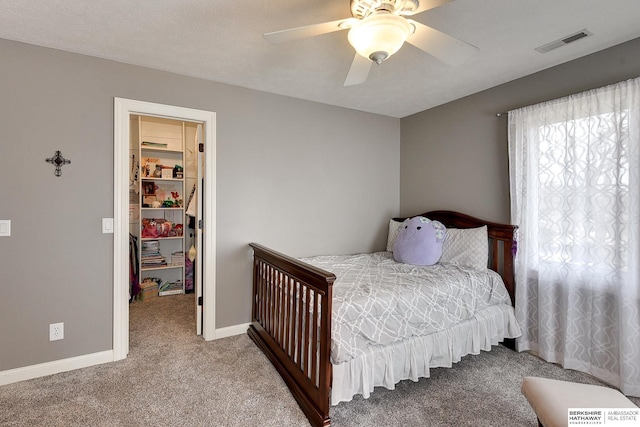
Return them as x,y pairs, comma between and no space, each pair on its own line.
56,331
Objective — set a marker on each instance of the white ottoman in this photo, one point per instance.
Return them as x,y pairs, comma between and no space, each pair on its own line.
550,399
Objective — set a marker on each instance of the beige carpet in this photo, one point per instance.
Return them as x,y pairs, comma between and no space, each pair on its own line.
174,378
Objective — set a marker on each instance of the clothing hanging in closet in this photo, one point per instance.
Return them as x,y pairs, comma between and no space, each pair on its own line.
134,271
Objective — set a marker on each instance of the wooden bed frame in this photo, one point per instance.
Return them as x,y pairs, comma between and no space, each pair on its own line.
289,296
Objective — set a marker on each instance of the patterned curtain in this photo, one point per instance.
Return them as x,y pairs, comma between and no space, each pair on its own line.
575,194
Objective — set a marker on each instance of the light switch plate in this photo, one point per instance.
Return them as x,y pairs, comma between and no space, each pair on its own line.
5,227
107,225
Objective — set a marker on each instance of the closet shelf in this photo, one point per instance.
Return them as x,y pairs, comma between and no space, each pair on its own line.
163,267
157,178
159,149
161,238
160,145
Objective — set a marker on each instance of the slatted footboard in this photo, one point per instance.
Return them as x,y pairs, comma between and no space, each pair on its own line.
291,323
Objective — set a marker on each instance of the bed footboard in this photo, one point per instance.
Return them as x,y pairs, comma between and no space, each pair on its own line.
291,323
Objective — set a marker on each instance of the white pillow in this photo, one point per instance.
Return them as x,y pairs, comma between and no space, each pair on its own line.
467,247
394,229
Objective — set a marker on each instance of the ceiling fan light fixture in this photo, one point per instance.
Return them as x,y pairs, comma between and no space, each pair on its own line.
379,35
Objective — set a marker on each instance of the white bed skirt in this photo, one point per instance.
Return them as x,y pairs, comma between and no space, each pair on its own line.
411,359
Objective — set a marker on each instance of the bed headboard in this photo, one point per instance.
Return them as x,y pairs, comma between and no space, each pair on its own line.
502,242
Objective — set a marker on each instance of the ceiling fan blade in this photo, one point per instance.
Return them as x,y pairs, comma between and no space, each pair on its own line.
306,31
446,48
359,71
410,9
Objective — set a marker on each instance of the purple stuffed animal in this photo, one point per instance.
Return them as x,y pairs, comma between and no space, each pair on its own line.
419,241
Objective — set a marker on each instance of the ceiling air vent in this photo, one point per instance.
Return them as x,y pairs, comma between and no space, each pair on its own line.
564,41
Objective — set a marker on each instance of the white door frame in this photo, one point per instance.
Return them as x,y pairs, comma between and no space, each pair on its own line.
123,108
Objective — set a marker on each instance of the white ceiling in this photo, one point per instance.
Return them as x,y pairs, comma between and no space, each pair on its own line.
221,40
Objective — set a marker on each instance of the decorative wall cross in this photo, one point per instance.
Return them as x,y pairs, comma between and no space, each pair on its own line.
58,161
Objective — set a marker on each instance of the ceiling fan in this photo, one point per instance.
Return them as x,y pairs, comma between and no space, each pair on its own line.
378,29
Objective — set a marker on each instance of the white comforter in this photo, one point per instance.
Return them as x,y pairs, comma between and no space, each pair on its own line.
377,301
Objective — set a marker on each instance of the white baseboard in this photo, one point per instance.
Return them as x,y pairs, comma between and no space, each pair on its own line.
55,367
49,368
230,331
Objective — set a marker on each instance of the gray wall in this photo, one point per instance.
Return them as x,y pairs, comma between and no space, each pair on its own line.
302,177
455,156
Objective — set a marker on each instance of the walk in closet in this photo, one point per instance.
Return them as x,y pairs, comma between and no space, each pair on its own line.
163,174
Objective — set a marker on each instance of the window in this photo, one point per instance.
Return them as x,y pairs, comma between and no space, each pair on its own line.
583,172
574,167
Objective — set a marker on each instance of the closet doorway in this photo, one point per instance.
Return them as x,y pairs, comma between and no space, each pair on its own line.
185,138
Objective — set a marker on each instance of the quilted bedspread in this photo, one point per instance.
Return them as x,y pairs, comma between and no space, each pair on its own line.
377,301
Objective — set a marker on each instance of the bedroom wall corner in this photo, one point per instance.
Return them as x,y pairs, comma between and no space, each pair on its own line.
455,156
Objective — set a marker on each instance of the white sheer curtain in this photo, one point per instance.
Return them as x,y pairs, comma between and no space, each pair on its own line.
575,192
